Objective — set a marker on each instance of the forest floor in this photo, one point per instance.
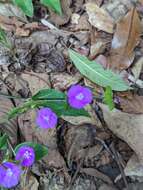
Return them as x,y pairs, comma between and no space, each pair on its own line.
105,151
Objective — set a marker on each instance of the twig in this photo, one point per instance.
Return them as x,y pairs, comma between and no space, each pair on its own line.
117,159
78,169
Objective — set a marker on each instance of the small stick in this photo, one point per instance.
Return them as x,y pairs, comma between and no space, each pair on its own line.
117,159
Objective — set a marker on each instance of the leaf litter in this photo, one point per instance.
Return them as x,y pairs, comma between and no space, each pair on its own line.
103,31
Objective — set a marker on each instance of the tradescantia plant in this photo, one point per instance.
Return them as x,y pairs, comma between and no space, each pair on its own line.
51,104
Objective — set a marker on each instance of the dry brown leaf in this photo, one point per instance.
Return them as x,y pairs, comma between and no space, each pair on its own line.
82,24
95,173
16,26
62,81
36,81
126,126
132,103
125,39
133,167
137,68
10,127
99,18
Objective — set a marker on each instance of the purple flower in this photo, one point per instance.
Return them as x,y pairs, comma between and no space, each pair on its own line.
25,155
9,174
79,96
46,118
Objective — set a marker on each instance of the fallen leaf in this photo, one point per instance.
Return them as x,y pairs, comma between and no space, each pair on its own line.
133,167
62,81
125,39
82,24
10,127
131,103
78,120
137,68
99,18
126,126
35,81
95,173
9,10
97,48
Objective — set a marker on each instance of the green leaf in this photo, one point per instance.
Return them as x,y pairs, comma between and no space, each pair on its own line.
3,141
49,94
54,4
26,6
108,98
40,150
53,99
58,106
75,112
3,39
96,72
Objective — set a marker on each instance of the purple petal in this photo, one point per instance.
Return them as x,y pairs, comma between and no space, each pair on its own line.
79,97
9,175
25,155
46,118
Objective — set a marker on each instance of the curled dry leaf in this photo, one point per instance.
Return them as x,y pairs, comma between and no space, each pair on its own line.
125,39
126,126
99,18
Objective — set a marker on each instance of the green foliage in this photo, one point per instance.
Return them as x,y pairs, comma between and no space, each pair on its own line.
50,94
40,150
3,141
54,4
108,98
96,72
75,112
51,98
26,6
3,39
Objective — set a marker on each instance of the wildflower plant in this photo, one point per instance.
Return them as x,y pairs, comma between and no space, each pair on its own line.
50,105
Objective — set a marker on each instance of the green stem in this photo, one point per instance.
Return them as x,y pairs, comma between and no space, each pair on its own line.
30,104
